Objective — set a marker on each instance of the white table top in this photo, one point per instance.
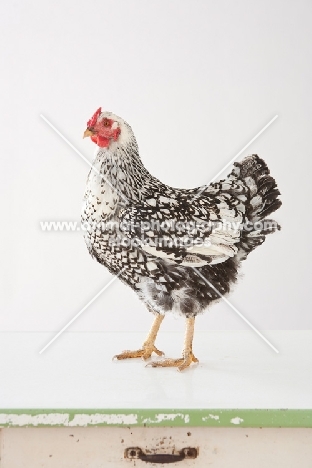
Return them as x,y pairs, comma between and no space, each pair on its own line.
236,370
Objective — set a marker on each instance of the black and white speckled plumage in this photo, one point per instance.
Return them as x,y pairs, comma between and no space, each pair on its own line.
161,273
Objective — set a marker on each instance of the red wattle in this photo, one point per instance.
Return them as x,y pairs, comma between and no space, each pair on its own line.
102,142
94,138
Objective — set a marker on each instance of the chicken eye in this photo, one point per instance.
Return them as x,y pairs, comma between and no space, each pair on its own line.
106,123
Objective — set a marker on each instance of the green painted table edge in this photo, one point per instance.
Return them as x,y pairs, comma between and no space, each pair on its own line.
156,417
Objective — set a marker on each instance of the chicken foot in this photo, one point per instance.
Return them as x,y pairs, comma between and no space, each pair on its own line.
187,355
148,346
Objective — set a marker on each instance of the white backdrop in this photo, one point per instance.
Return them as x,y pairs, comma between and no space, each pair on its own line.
196,81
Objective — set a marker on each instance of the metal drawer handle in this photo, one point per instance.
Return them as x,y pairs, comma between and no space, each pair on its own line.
137,453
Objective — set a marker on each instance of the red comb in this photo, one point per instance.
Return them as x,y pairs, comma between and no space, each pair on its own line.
93,119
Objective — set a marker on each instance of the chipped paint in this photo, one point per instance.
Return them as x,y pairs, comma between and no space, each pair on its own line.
97,418
161,417
236,420
73,417
54,419
63,419
211,416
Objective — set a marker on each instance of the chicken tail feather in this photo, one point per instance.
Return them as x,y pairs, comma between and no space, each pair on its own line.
263,200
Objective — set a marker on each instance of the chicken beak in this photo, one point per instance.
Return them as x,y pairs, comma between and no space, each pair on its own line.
88,133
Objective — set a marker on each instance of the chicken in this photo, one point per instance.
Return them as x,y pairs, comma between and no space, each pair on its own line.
178,249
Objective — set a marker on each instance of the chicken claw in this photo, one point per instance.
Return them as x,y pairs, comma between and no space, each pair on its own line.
144,353
181,363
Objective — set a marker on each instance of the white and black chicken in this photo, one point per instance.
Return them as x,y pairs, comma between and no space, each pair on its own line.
178,249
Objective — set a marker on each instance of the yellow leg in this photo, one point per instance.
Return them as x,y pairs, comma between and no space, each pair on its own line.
188,356
148,346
